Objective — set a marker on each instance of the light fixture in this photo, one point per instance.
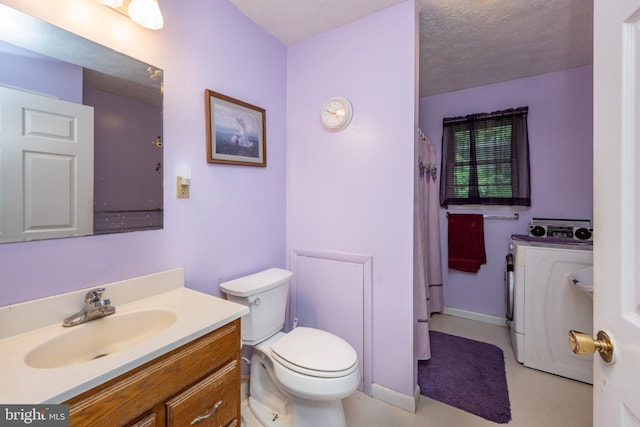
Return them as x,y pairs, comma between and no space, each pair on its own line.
186,176
143,12
112,3
146,13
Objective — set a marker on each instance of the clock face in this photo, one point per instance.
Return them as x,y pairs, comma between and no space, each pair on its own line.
336,113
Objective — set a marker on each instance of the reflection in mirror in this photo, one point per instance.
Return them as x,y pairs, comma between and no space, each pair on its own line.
80,135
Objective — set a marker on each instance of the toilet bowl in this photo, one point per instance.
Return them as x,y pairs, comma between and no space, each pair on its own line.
297,378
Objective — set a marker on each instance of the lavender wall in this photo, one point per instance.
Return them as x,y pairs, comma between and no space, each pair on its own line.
561,138
128,165
234,222
352,191
29,70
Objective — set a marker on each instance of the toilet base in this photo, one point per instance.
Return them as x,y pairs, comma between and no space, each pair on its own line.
273,407
267,416
314,413
306,413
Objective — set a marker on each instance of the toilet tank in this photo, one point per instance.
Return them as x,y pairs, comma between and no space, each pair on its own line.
265,293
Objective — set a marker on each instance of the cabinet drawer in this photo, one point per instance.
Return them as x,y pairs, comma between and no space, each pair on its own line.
214,401
126,397
150,420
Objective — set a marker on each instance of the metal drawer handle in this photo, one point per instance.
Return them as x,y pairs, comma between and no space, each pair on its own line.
199,418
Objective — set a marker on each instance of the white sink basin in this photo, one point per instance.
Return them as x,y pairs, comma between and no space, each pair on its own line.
100,337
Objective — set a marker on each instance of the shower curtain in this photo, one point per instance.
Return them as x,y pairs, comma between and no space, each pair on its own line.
428,253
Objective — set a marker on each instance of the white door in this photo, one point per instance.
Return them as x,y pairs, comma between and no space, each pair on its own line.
46,167
616,387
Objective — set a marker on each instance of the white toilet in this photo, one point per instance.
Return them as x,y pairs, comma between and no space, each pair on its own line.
298,378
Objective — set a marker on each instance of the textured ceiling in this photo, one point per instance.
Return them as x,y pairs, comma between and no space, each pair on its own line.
463,43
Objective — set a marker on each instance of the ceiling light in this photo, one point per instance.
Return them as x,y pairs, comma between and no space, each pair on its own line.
143,12
112,3
146,13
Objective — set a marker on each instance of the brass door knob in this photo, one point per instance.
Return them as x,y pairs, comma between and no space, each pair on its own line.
581,343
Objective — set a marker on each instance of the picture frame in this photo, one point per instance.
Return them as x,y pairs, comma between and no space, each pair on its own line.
236,131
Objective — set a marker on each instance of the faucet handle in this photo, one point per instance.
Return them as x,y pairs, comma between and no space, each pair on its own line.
100,303
93,295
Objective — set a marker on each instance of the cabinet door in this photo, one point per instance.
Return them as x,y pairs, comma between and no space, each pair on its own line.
150,386
214,401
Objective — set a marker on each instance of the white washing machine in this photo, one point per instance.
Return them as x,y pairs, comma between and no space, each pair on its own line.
542,305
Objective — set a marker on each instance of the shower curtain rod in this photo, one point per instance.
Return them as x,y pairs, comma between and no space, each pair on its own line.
492,216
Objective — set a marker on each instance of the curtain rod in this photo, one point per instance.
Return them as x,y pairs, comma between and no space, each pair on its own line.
492,216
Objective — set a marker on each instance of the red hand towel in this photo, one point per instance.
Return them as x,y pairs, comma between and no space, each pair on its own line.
466,242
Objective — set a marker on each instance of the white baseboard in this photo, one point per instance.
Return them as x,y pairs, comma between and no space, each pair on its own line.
392,397
480,317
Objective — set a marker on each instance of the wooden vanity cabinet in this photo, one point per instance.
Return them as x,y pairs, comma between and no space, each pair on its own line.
197,384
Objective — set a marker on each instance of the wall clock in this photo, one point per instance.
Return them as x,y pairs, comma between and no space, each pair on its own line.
336,113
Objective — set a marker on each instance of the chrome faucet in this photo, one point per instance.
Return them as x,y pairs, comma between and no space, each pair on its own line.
94,308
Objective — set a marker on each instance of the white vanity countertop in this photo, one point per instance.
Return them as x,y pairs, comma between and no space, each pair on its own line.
197,314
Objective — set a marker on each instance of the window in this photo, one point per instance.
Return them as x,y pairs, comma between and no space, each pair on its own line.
485,159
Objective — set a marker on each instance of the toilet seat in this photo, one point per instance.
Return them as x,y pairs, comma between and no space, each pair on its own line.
315,352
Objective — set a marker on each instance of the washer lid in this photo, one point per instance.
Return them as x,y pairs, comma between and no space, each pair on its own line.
315,352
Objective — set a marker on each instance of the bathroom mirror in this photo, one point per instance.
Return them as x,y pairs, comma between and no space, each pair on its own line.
113,183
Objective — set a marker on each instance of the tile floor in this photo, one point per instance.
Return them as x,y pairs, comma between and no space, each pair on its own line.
537,398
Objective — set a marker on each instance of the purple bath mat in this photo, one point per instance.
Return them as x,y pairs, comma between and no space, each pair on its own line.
466,374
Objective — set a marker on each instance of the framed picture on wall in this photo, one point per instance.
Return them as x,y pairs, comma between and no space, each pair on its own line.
236,131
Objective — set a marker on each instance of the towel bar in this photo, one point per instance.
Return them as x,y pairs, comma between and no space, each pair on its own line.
493,216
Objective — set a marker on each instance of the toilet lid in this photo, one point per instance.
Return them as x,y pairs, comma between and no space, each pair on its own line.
315,352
